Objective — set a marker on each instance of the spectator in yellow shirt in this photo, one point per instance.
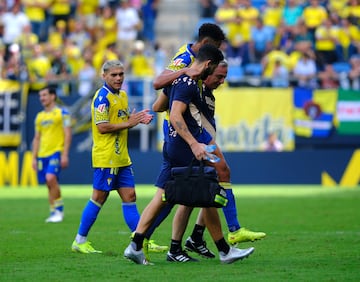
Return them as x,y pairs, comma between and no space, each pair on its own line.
248,15
57,35
60,10
87,11
337,7
103,55
36,12
228,17
272,14
39,69
140,67
107,21
326,39
27,40
349,38
353,11
314,15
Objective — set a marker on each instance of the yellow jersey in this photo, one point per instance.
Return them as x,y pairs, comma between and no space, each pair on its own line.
60,7
226,17
51,126
33,12
110,150
314,16
324,38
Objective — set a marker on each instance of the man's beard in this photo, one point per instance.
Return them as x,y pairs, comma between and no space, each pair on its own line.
206,73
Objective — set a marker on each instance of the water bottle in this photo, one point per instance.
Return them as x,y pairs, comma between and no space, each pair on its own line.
211,157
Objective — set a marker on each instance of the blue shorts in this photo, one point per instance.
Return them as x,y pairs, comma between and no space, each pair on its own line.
165,171
50,164
107,179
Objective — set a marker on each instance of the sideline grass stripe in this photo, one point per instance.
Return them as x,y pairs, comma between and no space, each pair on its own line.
149,190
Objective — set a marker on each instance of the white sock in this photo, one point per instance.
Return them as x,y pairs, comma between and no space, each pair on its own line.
80,239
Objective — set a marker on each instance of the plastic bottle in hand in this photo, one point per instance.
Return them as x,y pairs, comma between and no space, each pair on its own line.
211,157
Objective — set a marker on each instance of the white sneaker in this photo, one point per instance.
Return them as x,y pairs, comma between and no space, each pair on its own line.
136,256
235,254
56,216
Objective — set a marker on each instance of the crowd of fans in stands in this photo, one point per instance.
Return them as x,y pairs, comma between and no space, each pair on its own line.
60,41
295,42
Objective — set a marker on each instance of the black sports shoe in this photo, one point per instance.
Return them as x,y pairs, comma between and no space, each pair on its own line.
181,256
199,248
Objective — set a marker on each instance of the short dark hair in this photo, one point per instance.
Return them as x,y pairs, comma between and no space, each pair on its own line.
210,52
212,31
51,89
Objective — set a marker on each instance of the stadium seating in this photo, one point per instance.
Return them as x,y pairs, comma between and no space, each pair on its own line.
258,3
254,69
235,75
341,67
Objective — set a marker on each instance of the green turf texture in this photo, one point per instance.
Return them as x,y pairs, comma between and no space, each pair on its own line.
313,234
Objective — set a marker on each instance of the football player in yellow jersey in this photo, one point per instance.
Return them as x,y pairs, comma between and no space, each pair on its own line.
111,120
51,146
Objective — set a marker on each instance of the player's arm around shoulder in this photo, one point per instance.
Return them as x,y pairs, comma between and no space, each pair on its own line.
167,77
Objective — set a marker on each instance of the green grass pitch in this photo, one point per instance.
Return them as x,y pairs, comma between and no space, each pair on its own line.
313,234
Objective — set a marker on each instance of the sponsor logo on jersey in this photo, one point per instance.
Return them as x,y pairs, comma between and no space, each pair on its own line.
101,108
178,62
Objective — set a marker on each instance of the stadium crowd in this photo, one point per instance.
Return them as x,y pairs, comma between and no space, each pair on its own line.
306,43
311,43
61,41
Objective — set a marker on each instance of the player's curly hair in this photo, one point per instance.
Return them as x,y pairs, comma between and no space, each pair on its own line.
212,31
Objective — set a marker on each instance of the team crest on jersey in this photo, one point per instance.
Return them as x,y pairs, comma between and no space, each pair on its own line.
101,108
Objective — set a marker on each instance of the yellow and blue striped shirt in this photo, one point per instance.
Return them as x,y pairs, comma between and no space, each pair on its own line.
111,149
